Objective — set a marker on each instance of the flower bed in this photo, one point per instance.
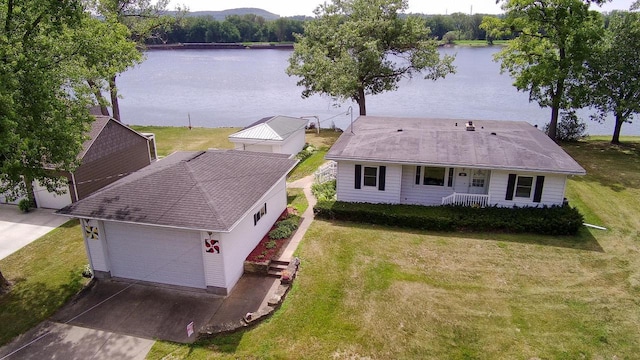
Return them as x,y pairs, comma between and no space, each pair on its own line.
259,259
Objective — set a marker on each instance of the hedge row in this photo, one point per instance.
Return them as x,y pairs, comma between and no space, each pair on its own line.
556,220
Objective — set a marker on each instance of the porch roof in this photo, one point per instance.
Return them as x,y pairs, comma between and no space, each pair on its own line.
494,144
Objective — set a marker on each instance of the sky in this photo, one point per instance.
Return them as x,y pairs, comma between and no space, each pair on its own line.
306,7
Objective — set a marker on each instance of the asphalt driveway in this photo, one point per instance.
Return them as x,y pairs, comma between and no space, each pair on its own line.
156,312
18,229
140,310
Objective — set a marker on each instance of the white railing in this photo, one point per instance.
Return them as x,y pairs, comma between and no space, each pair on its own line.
326,172
462,199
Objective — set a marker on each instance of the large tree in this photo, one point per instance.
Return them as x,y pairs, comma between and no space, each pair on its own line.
355,48
43,110
43,114
554,38
613,76
144,19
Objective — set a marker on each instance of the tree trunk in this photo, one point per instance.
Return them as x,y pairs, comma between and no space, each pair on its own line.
4,284
115,108
555,109
362,103
31,195
96,92
616,131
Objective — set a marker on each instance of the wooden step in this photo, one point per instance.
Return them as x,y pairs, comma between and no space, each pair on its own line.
280,262
274,273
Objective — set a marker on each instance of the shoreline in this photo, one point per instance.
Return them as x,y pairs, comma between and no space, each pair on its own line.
220,46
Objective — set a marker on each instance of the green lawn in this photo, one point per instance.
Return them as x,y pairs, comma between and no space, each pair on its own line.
297,200
381,293
170,139
45,274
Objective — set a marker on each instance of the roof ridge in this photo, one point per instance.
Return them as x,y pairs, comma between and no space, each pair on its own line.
92,139
209,201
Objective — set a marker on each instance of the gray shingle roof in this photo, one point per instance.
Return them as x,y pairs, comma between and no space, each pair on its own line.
97,126
495,144
274,128
209,190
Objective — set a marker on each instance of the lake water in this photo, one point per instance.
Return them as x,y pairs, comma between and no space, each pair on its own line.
218,88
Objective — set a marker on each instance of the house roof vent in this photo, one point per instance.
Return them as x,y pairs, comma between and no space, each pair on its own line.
470,126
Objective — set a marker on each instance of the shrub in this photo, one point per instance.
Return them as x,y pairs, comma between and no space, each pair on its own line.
285,228
306,152
25,205
325,191
570,127
270,244
556,220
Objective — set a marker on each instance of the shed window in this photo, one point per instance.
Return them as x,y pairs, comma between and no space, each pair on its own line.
523,186
433,176
370,176
260,214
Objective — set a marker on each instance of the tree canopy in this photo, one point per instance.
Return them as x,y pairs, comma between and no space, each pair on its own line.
356,48
613,71
43,112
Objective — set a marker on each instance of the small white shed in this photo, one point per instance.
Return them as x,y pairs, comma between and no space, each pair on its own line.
278,134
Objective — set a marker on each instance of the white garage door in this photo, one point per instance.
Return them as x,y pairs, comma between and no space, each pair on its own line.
51,200
166,256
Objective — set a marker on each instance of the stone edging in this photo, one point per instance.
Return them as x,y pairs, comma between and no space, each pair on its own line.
252,319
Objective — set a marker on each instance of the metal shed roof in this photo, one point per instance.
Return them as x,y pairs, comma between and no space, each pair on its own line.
276,128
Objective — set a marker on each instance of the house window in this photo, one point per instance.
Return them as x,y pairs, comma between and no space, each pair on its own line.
433,176
450,178
259,214
523,186
370,176
477,182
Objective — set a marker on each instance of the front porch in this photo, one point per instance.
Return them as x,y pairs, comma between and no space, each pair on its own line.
464,199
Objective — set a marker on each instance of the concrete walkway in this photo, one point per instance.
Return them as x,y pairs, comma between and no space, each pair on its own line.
18,229
305,184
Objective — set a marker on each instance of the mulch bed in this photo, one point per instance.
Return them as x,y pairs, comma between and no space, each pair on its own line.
261,253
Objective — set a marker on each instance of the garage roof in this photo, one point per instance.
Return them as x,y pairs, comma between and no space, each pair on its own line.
493,144
209,190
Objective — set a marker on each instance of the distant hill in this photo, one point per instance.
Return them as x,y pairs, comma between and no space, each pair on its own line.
221,15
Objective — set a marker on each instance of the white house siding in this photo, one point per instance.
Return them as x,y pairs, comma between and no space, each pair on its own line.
51,200
552,191
258,147
346,190
92,231
155,254
239,243
420,194
213,261
293,144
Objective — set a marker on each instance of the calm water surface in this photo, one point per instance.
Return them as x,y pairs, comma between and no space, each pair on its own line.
237,87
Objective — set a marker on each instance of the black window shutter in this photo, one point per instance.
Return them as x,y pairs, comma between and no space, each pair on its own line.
537,194
418,174
358,177
382,173
265,208
511,185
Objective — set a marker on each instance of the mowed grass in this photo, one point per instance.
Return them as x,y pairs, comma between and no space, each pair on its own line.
366,292
44,275
170,139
